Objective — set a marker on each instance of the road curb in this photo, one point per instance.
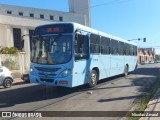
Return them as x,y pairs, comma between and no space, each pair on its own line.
18,81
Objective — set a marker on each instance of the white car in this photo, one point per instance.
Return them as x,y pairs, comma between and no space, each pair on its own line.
6,77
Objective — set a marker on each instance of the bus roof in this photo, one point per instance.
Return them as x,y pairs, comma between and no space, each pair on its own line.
91,30
85,28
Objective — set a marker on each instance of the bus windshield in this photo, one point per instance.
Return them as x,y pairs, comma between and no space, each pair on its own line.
51,49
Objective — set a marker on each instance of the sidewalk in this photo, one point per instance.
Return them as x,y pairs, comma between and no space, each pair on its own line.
18,81
153,107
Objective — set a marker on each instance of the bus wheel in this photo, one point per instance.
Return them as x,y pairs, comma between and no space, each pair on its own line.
93,78
126,70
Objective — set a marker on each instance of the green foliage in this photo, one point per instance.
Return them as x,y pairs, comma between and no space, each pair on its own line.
9,50
143,102
157,57
9,63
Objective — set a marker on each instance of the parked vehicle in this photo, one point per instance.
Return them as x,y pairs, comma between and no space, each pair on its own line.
151,62
25,78
6,77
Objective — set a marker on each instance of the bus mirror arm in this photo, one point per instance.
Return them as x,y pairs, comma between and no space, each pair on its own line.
22,43
22,40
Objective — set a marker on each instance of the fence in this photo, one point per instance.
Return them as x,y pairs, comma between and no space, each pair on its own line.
14,61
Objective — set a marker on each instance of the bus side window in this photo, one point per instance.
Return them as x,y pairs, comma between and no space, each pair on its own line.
95,47
81,47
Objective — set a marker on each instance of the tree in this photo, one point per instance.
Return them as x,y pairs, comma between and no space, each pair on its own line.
157,57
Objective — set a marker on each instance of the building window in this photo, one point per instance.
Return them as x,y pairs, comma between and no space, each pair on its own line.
17,38
42,16
31,15
51,17
9,12
21,13
60,18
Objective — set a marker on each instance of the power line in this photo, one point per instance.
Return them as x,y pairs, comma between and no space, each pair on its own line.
98,5
102,4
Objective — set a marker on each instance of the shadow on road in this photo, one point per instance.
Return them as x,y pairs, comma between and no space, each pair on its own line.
146,71
120,98
146,80
34,93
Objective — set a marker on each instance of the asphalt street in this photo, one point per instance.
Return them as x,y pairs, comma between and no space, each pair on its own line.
112,94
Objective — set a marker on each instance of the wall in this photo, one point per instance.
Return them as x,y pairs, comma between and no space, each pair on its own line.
145,56
67,16
81,7
26,22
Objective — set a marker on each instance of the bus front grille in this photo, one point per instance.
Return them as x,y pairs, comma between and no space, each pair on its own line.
46,69
46,80
44,74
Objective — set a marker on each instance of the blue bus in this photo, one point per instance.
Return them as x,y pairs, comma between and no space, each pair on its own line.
69,54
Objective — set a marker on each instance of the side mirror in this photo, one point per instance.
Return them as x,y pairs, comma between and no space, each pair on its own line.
22,40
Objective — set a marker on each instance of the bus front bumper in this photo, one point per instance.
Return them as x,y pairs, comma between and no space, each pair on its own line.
65,82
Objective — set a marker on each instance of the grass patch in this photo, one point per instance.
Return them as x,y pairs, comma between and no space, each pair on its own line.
143,102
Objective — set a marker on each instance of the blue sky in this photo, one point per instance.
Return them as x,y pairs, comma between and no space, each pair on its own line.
128,19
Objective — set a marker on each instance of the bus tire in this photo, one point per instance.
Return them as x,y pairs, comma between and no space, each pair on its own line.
93,79
126,69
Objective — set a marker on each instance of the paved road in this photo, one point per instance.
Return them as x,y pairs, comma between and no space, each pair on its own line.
113,94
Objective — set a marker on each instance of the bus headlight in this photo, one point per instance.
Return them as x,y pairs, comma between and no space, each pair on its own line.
64,73
32,71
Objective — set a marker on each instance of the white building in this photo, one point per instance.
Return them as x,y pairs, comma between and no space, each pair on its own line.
16,21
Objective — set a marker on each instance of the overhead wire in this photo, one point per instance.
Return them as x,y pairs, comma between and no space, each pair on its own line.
101,4
91,6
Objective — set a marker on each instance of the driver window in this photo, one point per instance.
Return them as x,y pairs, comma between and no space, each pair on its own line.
81,47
